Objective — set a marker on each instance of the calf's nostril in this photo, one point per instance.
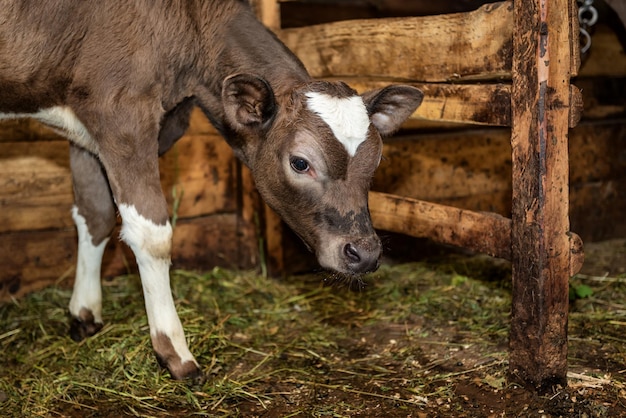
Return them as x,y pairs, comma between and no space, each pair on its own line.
351,253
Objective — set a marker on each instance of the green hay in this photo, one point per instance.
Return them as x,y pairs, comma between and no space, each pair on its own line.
294,346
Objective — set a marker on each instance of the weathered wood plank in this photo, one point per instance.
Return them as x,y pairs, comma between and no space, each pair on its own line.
480,104
541,254
461,46
448,167
574,33
471,169
250,233
35,186
481,232
386,47
33,260
36,189
202,171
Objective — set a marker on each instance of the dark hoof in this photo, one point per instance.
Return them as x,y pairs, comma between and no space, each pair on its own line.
186,371
83,328
169,359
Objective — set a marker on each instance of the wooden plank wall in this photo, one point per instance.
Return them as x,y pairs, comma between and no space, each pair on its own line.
471,169
200,177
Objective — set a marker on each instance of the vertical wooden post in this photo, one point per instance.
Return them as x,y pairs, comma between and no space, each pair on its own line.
540,230
271,226
268,12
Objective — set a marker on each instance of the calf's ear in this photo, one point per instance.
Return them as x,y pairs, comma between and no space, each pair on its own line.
390,106
248,101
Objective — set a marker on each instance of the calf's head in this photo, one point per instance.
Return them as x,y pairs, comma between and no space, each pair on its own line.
313,153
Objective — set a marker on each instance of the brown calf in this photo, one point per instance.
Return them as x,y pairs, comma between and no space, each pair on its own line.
119,79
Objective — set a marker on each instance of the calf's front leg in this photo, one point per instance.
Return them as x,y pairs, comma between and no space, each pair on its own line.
151,243
134,180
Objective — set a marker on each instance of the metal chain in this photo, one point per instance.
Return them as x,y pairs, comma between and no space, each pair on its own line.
587,17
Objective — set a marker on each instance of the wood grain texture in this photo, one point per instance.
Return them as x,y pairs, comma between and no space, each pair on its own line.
32,260
200,173
486,232
477,104
461,46
481,232
471,169
541,255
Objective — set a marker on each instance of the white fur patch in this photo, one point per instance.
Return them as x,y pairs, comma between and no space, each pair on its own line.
346,117
144,236
87,291
151,244
63,120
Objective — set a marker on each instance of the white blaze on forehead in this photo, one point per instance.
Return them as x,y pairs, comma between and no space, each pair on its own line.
347,117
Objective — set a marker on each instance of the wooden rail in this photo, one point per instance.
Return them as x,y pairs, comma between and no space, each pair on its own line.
451,47
482,232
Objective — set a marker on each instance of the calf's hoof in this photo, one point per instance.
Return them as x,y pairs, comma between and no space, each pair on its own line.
188,370
84,325
181,367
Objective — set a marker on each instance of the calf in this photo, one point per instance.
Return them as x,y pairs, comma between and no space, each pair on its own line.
119,79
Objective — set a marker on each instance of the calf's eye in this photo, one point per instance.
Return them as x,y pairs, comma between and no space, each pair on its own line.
299,165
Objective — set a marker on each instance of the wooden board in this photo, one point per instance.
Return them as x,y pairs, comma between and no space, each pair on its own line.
35,185
433,48
481,232
477,104
471,169
32,260
295,13
36,191
448,167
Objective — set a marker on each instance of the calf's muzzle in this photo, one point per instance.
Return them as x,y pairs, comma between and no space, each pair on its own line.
363,255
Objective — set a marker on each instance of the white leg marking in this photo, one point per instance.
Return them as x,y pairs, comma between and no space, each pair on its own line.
151,244
346,117
87,290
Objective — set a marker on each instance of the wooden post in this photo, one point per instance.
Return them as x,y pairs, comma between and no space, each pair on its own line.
268,12
270,225
540,239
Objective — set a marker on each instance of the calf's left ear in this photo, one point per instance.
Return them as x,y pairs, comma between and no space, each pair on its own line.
248,101
390,106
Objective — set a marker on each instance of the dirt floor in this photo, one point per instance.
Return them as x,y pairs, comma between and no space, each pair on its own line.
426,339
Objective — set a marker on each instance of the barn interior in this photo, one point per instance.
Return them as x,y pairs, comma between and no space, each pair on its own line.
455,151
